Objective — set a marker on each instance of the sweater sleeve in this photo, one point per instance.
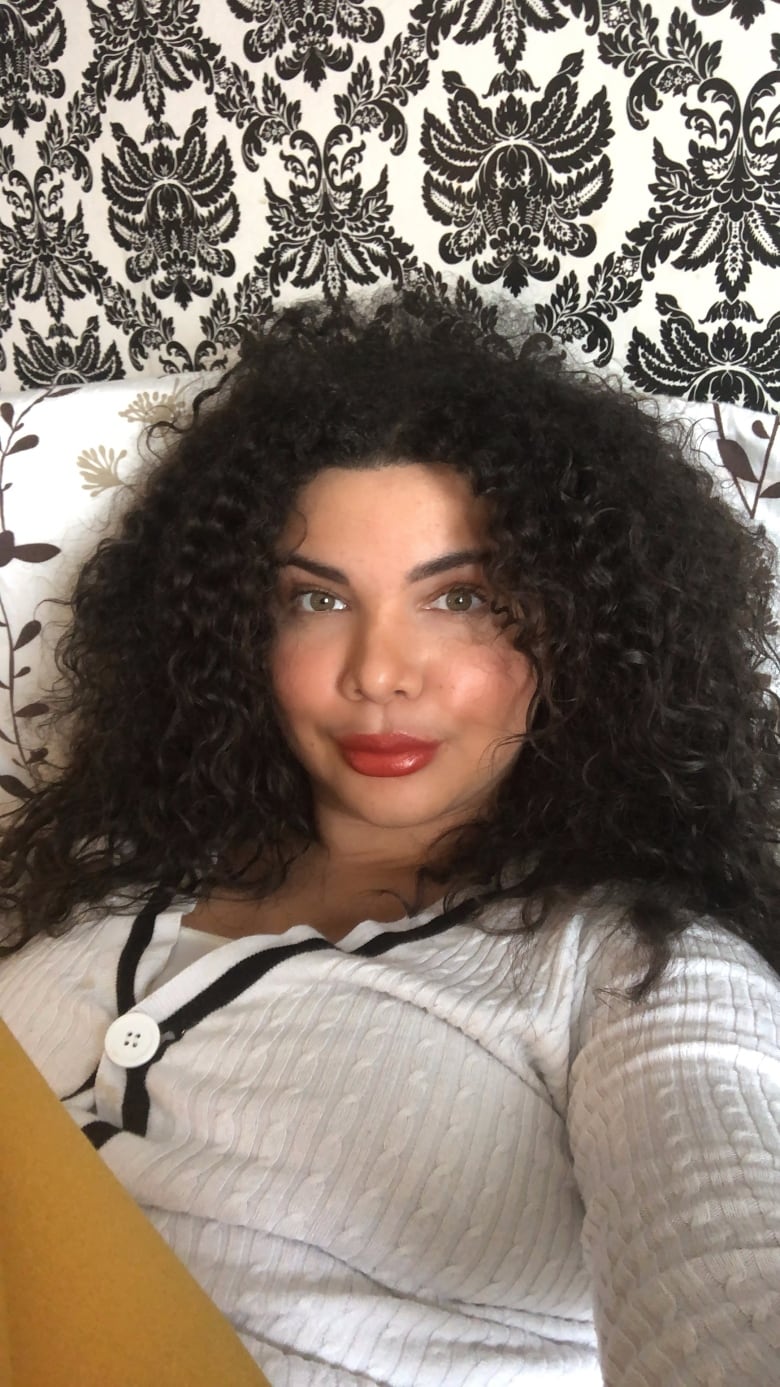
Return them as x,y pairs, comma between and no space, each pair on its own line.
674,1125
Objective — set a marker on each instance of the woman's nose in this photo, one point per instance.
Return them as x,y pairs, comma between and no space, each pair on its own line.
383,659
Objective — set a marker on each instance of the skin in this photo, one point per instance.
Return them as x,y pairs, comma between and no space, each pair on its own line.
377,653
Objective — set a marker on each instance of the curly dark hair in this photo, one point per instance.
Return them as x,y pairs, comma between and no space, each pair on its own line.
649,774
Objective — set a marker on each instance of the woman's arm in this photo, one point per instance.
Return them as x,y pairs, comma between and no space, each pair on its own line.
674,1123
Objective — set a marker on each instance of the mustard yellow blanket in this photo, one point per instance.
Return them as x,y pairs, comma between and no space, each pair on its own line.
90,1294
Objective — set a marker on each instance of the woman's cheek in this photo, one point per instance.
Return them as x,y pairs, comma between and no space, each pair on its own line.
299,671
491,678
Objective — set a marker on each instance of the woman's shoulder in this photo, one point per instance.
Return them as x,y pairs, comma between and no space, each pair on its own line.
91,941
615,956
582,969
715,990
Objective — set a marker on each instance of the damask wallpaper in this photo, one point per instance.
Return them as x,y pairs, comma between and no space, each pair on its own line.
171,170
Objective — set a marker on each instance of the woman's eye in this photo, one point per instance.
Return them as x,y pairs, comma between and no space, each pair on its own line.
462,599
320,601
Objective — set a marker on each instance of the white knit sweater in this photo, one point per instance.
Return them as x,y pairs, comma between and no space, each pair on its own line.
391,1162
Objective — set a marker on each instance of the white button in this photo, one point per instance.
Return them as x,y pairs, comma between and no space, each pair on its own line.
132,1039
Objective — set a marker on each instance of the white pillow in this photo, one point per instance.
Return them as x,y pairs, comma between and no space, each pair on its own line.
67,456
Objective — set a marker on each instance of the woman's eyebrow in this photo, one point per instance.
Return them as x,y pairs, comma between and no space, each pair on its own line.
429,569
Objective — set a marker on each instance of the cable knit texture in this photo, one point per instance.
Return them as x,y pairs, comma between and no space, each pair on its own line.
414,1163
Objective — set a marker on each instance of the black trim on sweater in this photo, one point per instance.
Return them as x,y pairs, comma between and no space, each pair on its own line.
383,943
225,989
137,942
99,1132
135,1105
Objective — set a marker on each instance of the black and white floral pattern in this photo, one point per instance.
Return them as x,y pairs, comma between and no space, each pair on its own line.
171,170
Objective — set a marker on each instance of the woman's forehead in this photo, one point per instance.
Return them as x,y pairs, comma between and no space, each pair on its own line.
413,499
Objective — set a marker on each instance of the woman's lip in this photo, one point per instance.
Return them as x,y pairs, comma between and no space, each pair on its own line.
402,761
385,743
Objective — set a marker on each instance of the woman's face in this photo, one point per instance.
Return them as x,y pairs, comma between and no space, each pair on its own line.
370,640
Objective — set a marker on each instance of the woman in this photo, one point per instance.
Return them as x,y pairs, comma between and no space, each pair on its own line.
405,910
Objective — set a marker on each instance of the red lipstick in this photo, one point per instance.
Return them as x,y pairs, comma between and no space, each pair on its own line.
386,753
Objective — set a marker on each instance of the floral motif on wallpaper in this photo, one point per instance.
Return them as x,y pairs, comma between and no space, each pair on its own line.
172,171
